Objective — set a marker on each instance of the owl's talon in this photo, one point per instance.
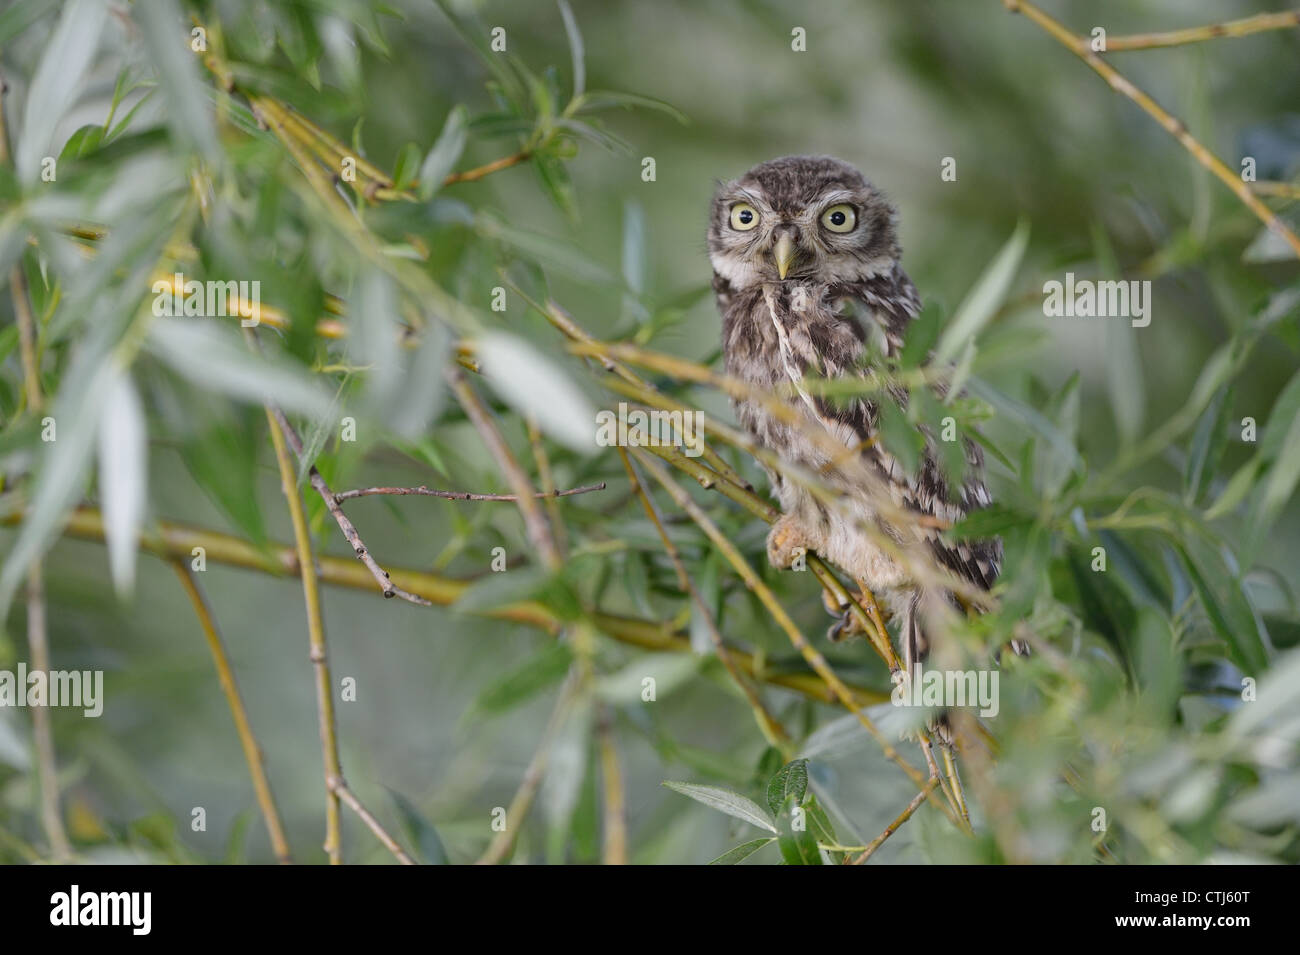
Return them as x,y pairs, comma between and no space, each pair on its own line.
786,543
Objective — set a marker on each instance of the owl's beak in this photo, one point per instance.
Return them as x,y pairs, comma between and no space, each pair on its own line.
784,254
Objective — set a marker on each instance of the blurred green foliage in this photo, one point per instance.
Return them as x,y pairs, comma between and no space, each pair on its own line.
1101,435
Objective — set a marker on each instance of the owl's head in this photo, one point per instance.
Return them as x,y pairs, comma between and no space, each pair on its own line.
801,218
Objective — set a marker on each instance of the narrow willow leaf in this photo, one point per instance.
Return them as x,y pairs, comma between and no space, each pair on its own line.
576,51
741,852
547,251
565,771
421,832
1208,442
983,300
596,100
57,81
1123,367
534,385
446,152
798,844
668,670
63,468
791,780
544,669
20,16
724,800
215,358
189,112
123,478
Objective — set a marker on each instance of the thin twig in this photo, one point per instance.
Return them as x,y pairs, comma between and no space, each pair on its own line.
316,634
340,789
342,496
1078,45
1281,190
382,577
247,739
548,493
893,827
615,807
42,729
539,532
1243,27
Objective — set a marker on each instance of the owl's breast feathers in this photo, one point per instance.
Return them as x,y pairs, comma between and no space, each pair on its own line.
778,333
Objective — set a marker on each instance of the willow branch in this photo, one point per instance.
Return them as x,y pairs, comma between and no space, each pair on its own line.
1078,45
247,739
316,634
168,539
386,586
423,491
341,790
893,827
42,730
1232,28
615,806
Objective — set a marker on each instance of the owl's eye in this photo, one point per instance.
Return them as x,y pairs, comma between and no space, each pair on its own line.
743,217
841,218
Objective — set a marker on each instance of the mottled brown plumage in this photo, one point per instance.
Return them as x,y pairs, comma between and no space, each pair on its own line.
806,271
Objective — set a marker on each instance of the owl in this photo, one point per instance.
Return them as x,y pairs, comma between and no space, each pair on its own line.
806,270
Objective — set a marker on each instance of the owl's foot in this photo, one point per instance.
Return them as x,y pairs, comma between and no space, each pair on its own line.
787,541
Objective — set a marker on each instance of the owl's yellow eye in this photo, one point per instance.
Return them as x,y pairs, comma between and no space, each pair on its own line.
841,218
743,217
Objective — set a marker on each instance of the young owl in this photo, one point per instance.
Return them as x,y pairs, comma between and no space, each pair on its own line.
806,270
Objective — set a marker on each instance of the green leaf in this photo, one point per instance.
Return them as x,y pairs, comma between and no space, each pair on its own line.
446,152
668,670
406,167
547,251
741,852
535,386
214,358
189,111
61,475
222,459
1208,441
57,81
1225,603
790,780
724,800
1123,367
123,477
596,100
20,16
421,833
795,836
983,300
544,669
575,48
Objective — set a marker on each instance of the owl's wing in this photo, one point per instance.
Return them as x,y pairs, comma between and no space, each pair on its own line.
893,305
